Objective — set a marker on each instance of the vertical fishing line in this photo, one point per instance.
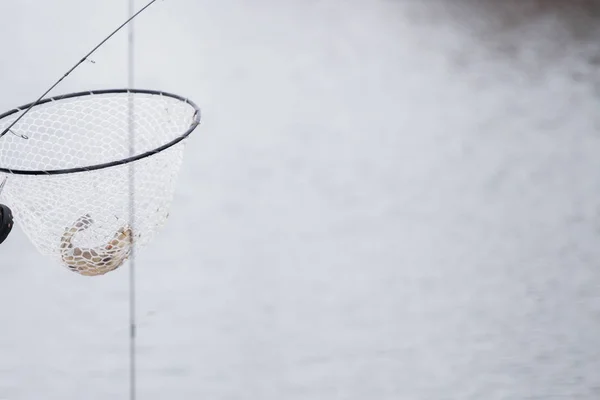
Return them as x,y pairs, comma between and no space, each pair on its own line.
132,271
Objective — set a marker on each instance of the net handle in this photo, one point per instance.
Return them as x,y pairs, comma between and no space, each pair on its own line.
193,125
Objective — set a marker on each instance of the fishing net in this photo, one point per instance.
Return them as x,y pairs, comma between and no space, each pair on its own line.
83,189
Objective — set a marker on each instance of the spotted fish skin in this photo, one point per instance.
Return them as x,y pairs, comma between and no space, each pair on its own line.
94,260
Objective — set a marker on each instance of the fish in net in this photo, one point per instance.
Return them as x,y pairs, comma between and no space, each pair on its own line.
91,175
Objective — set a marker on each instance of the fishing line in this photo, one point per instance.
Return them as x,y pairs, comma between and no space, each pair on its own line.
132,286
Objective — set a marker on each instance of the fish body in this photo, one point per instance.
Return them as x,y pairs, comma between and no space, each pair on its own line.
92,261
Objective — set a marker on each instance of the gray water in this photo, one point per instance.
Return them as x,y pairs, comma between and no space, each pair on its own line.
385,200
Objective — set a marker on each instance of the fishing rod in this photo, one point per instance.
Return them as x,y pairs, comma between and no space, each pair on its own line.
84,59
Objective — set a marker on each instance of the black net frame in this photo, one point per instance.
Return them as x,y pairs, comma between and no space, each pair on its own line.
123,161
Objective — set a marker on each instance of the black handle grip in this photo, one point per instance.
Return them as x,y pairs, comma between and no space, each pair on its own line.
6,222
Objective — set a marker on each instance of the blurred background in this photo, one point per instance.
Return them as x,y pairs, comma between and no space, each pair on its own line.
386,199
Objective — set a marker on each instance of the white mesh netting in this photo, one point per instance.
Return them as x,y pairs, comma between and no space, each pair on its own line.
83,219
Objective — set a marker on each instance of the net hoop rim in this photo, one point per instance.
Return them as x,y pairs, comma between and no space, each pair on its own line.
137,157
